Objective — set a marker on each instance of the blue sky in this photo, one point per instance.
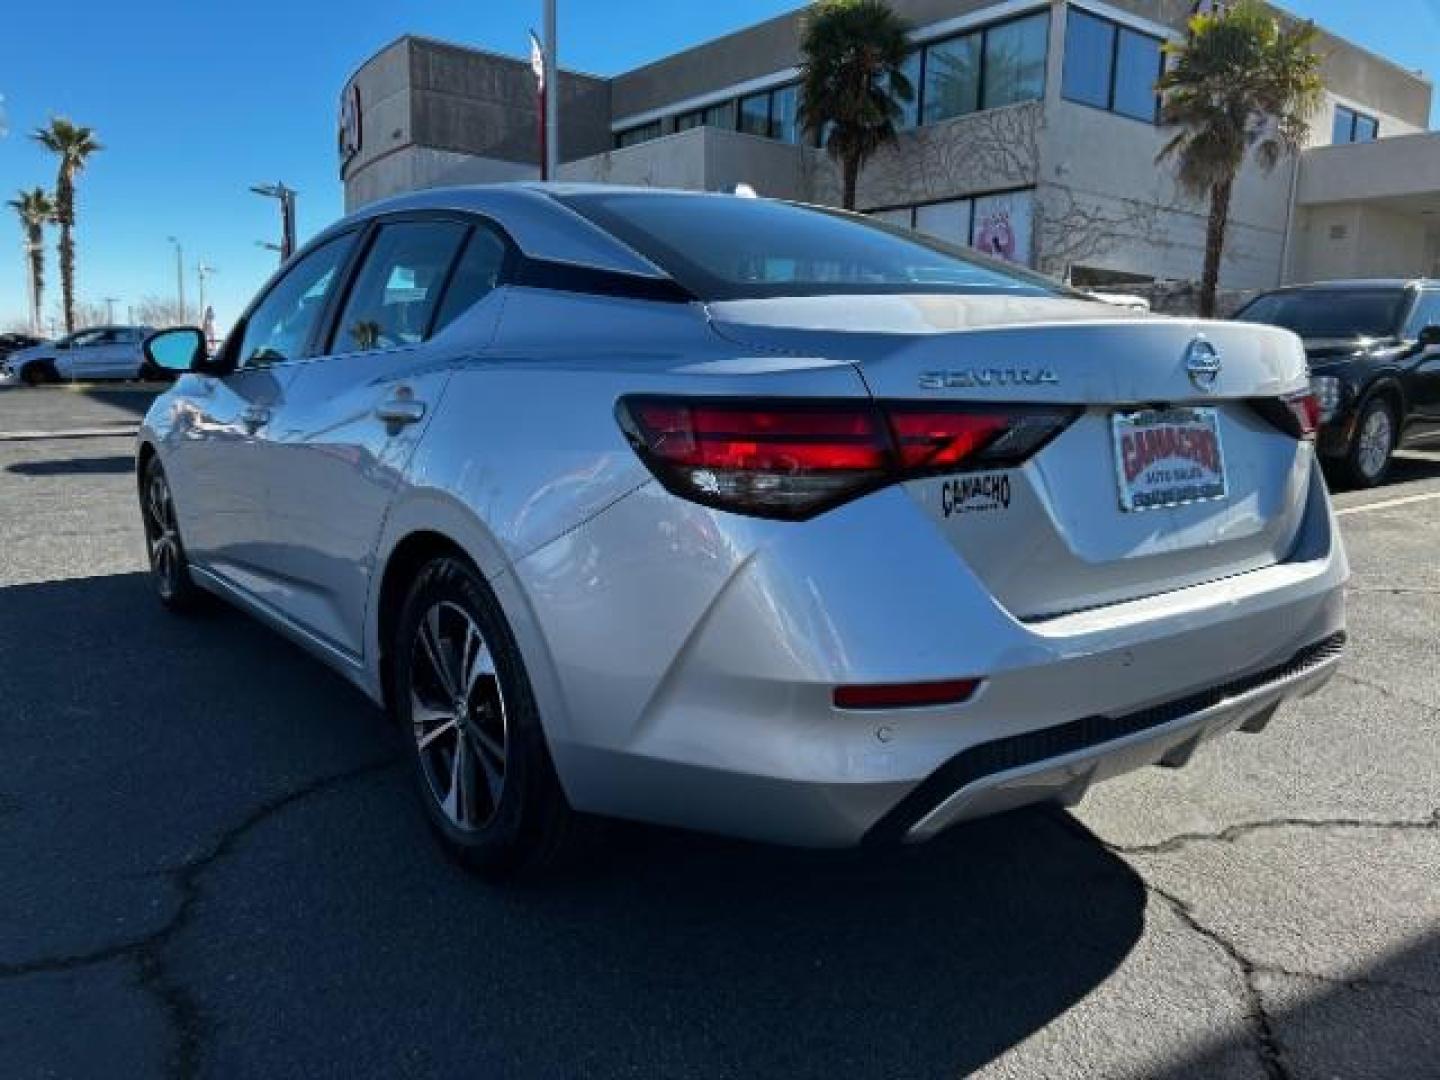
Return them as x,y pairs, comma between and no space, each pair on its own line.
195,102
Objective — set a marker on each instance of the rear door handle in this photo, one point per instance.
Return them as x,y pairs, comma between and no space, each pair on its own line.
400,410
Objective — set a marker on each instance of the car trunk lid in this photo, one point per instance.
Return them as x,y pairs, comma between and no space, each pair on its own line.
1053,536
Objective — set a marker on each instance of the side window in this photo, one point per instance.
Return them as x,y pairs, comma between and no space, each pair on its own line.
477,273
87,339
1427,313
398,288
279,328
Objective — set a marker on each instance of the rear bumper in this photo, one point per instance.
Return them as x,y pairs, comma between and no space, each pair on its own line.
1062,763
694,665
1055,763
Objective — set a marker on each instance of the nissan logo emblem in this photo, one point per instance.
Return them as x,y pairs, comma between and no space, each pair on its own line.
1202,363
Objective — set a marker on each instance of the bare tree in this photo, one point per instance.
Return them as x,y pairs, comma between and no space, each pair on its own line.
160,312
88,313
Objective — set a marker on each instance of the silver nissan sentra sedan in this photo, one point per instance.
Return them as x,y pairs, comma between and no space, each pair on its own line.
744,516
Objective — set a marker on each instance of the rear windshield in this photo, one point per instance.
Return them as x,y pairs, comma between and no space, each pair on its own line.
722,247
1331,313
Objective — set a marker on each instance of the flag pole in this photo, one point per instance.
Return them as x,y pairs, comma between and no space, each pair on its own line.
538,65
552,94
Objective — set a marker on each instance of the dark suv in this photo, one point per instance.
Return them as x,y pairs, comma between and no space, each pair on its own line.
1374,349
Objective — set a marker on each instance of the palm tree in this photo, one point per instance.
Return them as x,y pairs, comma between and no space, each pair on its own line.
853,81
1242,80
73,145
36,210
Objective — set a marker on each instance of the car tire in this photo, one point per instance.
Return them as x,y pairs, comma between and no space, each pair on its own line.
39,373
1367,462
169,568
460,691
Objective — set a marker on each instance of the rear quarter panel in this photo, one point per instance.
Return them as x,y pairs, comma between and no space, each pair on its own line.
525,446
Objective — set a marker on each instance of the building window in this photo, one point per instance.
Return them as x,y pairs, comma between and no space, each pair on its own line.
1014,60
1354,127
717,116
1089,47
785,114
1000,65
755,115
1111,67
952,78
635,135
910,110
998,225
772,115
947,220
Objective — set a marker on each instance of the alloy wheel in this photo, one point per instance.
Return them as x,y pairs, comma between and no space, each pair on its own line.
458,713
1376,439
164,537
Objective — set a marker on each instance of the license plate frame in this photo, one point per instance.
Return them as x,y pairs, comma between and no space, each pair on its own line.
1168,457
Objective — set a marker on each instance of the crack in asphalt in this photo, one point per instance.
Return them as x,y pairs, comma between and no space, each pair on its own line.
1385,691
1235,832
1393,592
1232,833
1358,983
1268,1048
185,1018
1267,1045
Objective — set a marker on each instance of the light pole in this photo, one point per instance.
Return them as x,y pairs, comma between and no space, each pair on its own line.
552,95
110,302
537,68
286,196
179,276
201,273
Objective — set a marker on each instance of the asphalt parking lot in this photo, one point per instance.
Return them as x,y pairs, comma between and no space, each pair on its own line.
211,865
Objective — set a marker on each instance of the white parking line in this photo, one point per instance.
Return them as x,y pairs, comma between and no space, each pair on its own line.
127,432
1388,504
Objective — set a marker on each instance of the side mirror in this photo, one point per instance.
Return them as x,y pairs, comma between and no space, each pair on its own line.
1430,336
181,349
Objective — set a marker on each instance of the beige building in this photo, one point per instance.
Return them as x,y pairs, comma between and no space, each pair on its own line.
1033,136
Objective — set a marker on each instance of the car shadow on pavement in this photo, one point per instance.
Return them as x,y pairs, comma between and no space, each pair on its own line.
243,817
1405,468
114,465
133,398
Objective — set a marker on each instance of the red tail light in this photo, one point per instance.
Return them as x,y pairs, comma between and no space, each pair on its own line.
905,695
1305,407
1295,414
792,459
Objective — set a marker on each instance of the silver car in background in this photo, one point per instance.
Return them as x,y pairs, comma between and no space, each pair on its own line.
744,516
93,354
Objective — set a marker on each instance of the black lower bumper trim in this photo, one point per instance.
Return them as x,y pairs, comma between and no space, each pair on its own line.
1028,748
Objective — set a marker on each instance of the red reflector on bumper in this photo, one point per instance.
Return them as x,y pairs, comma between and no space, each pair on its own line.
905,695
